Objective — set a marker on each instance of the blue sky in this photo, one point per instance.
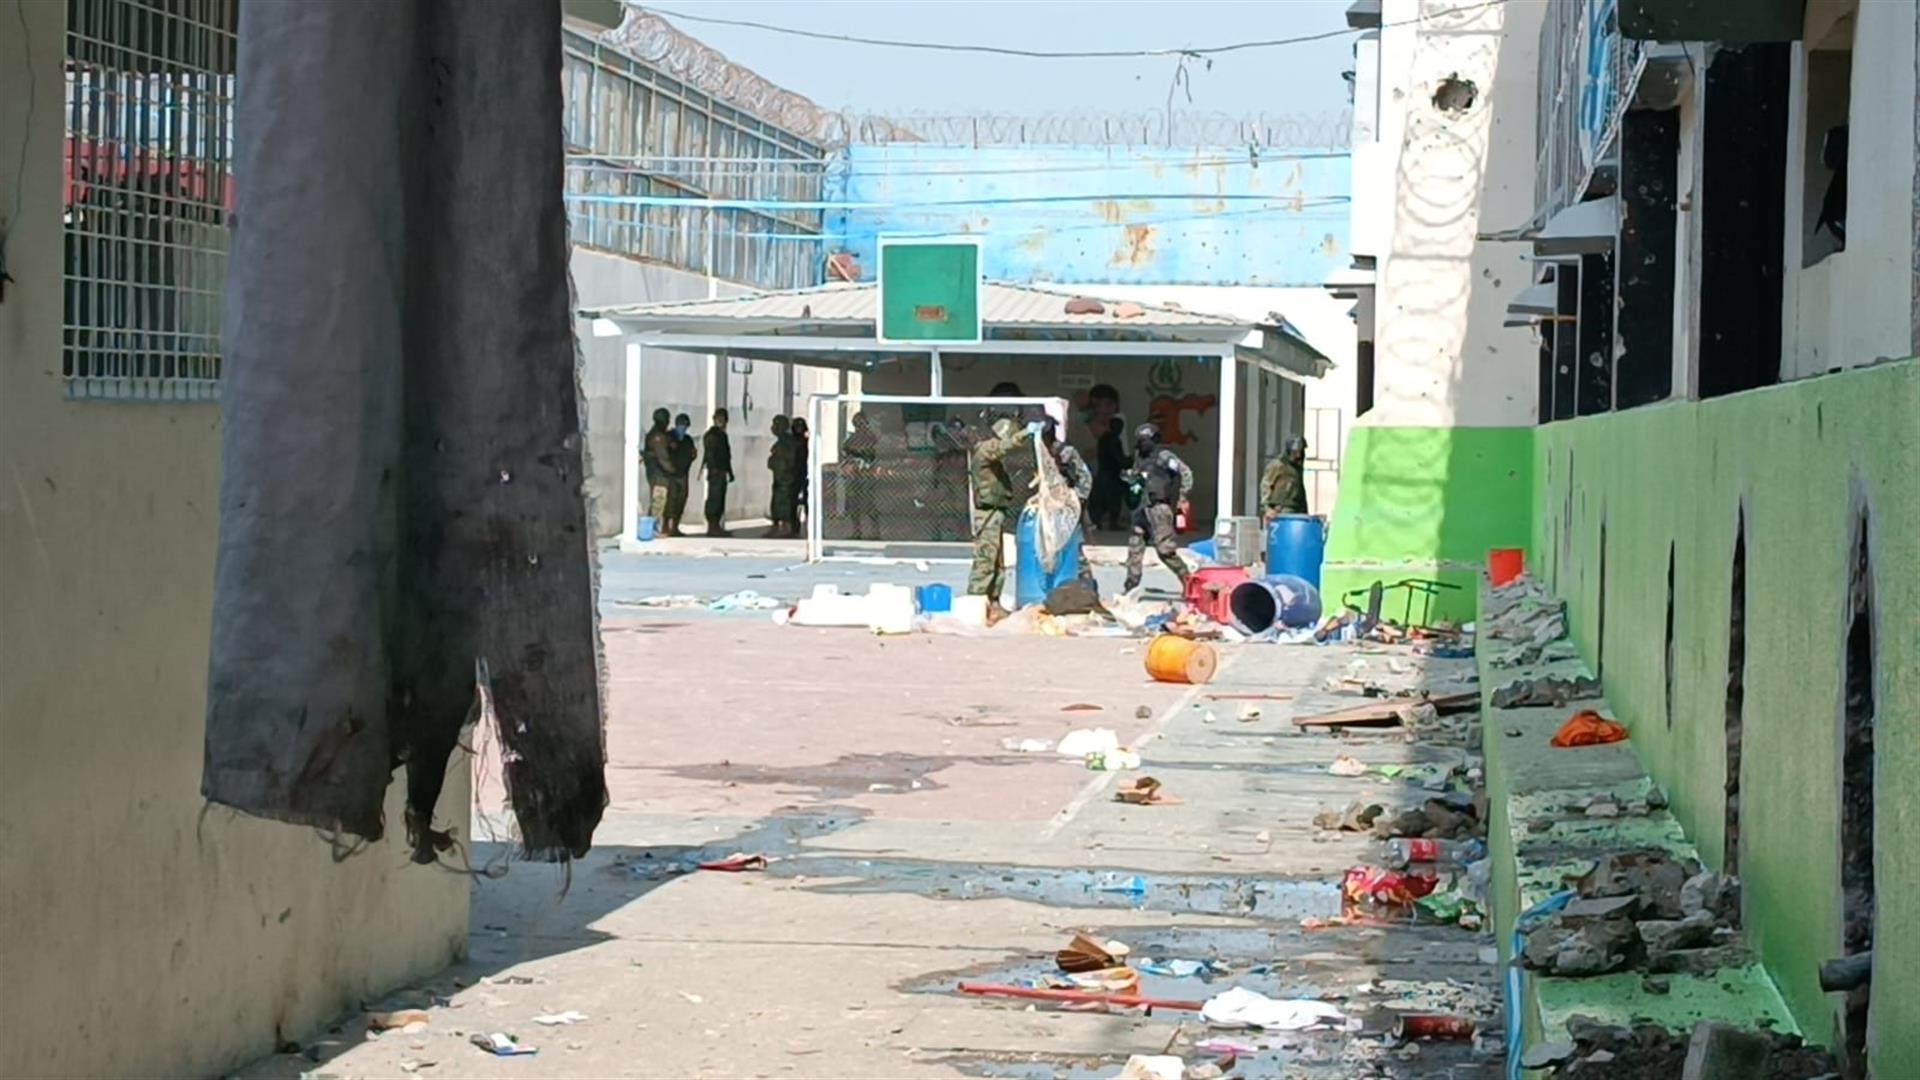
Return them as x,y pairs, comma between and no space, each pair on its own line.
1290,79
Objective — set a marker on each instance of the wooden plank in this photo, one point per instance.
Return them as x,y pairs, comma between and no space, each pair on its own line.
1383,712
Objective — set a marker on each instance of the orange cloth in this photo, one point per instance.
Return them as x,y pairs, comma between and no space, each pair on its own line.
1588,728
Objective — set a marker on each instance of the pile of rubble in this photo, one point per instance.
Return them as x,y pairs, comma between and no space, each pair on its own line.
1641,910
1651,1052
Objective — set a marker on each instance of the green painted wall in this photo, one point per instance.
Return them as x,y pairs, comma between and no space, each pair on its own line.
1427,502
1802,458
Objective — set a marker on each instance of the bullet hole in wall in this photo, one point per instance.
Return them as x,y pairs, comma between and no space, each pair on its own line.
1455,95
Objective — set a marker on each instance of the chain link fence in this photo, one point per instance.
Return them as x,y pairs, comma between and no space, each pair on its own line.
892,476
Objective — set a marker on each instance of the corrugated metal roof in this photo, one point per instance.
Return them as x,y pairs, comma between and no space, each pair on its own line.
1002,303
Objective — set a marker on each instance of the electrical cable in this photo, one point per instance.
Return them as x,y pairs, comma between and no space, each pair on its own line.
1051,54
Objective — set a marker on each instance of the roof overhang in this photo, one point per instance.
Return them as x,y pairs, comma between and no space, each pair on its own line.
1542,299
1586,228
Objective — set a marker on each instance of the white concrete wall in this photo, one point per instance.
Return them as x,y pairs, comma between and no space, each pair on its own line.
678,382
1443,357
1855,306
141,936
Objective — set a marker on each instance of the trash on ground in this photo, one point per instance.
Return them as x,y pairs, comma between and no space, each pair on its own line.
1146,791
1388,712
571,1016
1347,765
745,600
1113,760
1143,712
1433,1026
500,1044
1249,713
1027,746
1083,741
1115,980
1357,816
1084,954
398,1019
1240,1007
1600,1051
737,863
1183,969
677,600
1081,706
1373,884
1153,1067
1588,728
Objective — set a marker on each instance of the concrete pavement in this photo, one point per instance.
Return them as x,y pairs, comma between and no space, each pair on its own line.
913,850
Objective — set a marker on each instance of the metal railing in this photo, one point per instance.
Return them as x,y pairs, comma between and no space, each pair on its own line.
1587,77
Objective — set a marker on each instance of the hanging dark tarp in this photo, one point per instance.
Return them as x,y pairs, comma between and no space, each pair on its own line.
403,533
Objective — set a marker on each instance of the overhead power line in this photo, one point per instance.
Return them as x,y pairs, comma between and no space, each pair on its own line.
1059,54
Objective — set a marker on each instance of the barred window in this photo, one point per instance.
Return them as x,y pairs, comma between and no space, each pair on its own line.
148,190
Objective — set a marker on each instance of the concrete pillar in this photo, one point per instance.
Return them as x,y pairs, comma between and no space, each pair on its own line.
630,466
1229,425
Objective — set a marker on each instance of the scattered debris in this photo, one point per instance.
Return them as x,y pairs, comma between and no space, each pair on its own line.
1545,691
1146,791
1249,713
1433,1026
1082,706
500,1044
1387,713
1085,305
1240,1007
1143,713
745,600
1588,728
1076,997
1347,765
1084,954
1027,746
1083,741
1113,760
1127,309
1153,1067
1357,816
1206,970
571,1016
398,1019
1713,1050
1372,884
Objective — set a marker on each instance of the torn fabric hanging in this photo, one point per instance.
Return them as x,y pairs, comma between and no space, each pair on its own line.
402,493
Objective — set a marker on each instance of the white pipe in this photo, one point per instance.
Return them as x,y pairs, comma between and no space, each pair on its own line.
630,468
1229,426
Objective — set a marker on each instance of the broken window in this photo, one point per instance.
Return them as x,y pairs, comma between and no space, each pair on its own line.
1828,102
1742,209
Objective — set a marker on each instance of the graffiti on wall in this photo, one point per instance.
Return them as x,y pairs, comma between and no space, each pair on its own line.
1171,403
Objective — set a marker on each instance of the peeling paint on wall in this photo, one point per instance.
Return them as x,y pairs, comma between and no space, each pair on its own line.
1131,215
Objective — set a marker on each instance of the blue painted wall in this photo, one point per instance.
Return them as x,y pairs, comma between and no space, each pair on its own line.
1128,215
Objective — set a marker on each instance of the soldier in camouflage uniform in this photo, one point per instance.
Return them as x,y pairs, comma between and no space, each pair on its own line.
1283,488
1162,483
656,457
783,461
993,501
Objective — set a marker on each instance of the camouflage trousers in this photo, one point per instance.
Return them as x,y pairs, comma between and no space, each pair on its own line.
1153,524
989,574
667,498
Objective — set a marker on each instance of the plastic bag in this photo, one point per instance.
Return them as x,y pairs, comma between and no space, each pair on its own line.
1056,509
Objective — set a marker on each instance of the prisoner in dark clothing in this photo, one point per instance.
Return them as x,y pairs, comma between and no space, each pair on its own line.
718,450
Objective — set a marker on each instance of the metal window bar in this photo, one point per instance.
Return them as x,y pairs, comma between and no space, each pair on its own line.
148,153
1587,77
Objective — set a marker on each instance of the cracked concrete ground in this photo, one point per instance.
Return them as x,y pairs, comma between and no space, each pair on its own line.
913,850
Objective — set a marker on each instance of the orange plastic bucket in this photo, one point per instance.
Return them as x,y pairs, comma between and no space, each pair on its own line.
1505,564
1178,660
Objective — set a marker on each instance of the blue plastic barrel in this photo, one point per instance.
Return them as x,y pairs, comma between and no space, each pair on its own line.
1296,544
1259,604
1031,584
936,599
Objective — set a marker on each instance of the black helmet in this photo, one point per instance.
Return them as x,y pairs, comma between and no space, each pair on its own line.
1146,438
661,417
1294,444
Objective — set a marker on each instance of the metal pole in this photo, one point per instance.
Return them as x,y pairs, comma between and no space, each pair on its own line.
1229,425
630,466
936,378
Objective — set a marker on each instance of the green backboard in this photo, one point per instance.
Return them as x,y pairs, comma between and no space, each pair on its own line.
929,290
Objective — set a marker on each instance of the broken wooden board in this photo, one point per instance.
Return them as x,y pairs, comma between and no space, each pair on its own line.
1384,712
